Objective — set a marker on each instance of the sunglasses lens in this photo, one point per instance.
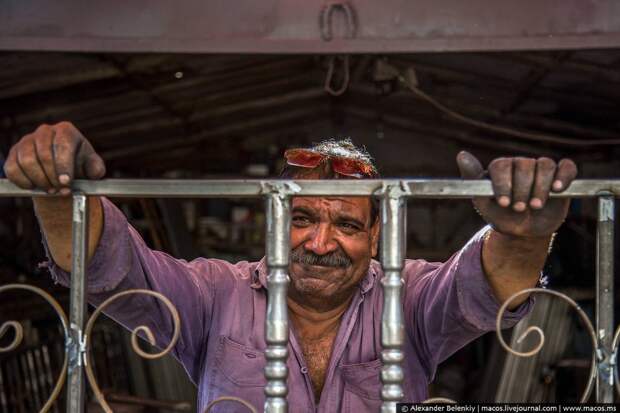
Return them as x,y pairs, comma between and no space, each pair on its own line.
351,167
303,158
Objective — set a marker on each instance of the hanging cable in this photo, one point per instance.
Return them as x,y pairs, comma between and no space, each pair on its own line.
408,79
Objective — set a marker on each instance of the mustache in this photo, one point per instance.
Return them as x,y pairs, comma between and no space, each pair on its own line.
336,258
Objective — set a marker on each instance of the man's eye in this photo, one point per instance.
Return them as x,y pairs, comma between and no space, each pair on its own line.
301,220
347,226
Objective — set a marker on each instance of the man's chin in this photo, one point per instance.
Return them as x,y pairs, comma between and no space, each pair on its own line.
313,287
316,280
308,284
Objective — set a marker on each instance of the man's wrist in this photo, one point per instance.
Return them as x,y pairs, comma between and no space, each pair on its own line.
522,242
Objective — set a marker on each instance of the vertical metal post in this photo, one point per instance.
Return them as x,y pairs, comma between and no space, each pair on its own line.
78,306
605,298
393,230
276,325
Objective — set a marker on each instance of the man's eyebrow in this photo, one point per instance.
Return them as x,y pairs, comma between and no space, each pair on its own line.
303,210
340,216
350,218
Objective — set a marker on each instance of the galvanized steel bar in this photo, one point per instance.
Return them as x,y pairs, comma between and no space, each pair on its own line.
605,298
78,307
393,231
418,188
278,215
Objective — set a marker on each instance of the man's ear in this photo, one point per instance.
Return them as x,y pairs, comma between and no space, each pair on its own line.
374,237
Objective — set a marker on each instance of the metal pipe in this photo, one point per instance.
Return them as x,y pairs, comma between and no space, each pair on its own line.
278,215
393,231
605,298
417,188
78,307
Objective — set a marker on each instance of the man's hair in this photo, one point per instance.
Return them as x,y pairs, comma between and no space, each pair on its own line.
343,148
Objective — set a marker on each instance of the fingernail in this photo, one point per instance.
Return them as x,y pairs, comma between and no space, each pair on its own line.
504,201
536,203
557,185
64,179
65,191
51,191
519,206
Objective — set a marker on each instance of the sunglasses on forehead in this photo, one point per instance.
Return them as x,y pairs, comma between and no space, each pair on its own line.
347,166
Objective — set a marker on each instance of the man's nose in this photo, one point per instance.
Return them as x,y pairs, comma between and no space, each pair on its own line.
321,241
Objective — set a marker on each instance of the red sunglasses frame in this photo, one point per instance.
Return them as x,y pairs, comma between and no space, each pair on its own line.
307,158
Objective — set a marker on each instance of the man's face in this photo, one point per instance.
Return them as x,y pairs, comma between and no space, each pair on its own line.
332,242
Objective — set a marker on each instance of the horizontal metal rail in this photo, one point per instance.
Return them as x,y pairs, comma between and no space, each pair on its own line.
199,188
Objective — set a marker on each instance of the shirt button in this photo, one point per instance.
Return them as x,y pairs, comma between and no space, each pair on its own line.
304,370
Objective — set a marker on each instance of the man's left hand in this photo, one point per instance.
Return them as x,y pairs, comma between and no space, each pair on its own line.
522,206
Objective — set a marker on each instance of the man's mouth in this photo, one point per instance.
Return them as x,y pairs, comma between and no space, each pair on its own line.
320,272
316,267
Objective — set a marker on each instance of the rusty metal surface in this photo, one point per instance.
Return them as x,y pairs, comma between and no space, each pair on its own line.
289,26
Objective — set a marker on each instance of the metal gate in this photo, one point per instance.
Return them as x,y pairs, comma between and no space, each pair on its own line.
277,194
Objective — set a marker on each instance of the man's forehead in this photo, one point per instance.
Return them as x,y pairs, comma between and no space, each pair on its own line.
359,205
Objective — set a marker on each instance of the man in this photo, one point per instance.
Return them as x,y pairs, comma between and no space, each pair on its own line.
334,300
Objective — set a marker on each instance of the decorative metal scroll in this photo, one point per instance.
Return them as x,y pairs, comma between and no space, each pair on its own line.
443,400
541,334
614,358
19,335
230,399
88,365
148,335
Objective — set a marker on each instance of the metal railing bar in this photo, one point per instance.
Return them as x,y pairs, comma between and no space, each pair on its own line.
200,188
278,219
76,394
605,298
393,231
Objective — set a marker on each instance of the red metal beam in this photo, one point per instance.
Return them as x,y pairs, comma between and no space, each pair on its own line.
292,26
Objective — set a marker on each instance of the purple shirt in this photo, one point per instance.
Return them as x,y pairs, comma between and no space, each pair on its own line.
222,308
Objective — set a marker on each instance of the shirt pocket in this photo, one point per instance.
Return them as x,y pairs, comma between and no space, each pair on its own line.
362,386
239,372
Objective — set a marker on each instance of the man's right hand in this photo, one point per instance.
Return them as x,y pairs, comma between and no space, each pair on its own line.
51,157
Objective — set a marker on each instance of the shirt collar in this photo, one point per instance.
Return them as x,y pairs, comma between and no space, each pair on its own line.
259,279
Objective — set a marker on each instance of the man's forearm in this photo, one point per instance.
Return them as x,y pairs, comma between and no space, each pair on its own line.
55,218
512,264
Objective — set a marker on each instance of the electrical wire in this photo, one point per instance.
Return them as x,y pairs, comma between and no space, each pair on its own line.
532,136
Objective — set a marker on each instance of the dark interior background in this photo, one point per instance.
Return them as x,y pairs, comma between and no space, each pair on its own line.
225,116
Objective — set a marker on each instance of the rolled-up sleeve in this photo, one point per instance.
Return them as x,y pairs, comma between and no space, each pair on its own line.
122,261
113,257
449,304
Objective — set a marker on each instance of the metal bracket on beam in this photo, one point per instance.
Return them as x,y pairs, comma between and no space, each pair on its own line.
326,22
327,34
